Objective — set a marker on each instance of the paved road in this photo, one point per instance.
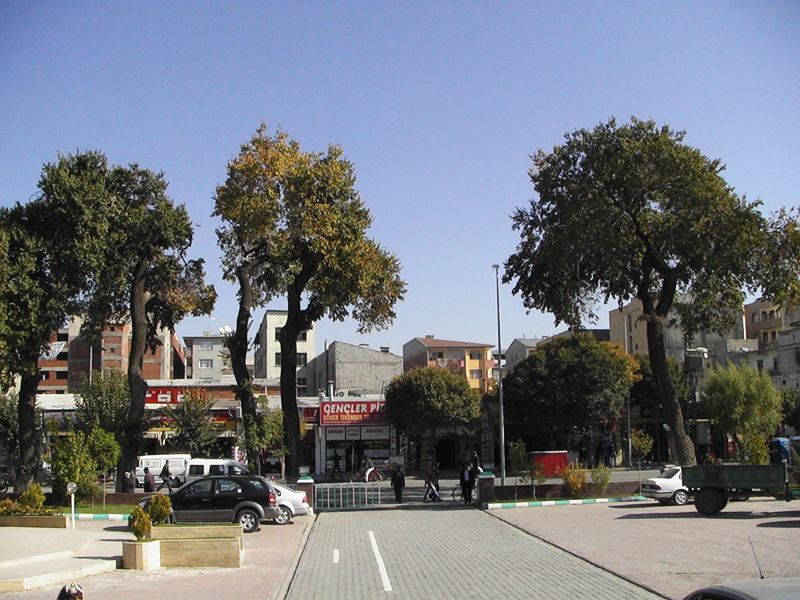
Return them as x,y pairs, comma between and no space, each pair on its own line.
431,553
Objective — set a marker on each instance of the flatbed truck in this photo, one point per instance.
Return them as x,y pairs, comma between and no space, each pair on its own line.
713,485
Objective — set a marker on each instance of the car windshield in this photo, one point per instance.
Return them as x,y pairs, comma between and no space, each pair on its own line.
669,473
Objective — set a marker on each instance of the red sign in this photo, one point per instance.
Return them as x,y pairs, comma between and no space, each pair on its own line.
352,412
171,395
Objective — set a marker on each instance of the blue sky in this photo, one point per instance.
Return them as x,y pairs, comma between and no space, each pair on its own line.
439,105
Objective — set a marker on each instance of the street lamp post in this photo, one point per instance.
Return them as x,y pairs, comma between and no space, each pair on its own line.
500,383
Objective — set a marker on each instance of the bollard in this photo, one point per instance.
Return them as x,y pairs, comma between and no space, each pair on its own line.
486,487
306,484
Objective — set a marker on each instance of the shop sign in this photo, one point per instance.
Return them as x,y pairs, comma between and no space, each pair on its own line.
334,433
157,395
375,432
353,433
352,412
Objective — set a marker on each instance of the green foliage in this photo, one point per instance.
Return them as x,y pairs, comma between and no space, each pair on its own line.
641,444
72,461
33,497
601,476
191,419
265,434
18,507
430,398
103,403
568,382
159,508
103,448
527,469
746,404
575,478
618,213
645,390
9,421
139,523
790,398
294,226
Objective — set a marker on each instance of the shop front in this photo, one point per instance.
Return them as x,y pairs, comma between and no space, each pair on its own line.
350,430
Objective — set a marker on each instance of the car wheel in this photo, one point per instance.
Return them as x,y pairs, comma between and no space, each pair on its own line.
680,497
284,516
248,519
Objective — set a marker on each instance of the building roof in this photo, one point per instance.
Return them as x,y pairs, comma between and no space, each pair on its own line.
434,343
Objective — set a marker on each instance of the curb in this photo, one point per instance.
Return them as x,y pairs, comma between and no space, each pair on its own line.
499,505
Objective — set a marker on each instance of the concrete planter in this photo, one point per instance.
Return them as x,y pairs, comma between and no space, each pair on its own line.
55,521
141,555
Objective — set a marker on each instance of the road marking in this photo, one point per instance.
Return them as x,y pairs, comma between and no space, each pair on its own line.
387,585
336,556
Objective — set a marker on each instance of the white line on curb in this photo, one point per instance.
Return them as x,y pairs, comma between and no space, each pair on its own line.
387,585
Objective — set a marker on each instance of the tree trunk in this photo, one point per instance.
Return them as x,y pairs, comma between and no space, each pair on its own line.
291,418
237,346
132,439
680,445
28,442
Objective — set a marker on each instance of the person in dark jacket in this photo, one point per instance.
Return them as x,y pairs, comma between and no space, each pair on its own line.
128,484
149,481
398,483
166,476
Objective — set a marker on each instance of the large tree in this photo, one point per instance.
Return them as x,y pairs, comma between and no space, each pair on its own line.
103,403
48,258
745,403
569,382
192,421
632,212
294,226
429,399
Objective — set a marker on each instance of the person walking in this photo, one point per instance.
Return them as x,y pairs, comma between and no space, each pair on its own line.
128,484
430,486
165,477
368,468
149,481
398,483
466,482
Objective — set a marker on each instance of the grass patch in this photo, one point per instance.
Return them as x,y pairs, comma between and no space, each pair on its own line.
97,509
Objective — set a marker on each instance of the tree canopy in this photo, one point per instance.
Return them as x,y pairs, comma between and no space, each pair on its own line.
294,226
631,211
568,382
192,421
428,399
103,403
745,404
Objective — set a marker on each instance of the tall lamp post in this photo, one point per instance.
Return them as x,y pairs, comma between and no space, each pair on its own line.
500,383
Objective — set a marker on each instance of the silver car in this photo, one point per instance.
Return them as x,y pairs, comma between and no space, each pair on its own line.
757,589
290,503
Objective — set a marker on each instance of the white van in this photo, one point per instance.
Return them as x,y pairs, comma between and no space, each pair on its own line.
200,467
155,462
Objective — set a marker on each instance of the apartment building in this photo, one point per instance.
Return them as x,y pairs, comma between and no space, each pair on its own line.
519,349
472,360
267,360
352,369
69,357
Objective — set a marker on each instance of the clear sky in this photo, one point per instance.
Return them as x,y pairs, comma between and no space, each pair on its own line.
438,104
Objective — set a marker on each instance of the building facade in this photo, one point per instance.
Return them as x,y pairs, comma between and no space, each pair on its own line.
519,349
267,360
473,361
352,368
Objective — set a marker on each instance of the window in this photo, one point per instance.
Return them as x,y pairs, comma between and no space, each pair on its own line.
765,336
62,375
475,374
278,333
755,317
302,384
277,359
475,355
216,469
301,337
205,345
205,363
196,470
302,359
62,337
63,356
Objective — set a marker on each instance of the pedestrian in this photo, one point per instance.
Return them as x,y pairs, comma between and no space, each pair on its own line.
398,483
465,479
71,591
336,472
430,486
165,477
149,481
128,484
476,461
368,468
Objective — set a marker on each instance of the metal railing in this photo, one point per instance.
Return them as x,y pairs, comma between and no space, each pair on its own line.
345,496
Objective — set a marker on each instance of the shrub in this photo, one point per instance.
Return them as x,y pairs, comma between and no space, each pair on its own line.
574,477
159,508
10,507
601,475
139,523
33,497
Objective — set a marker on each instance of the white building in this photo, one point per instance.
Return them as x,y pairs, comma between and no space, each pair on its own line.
267,363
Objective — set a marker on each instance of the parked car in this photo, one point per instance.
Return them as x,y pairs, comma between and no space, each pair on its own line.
756,589
201,467
667,488
291,504
245,499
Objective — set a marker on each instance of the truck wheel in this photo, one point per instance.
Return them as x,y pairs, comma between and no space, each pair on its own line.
708,502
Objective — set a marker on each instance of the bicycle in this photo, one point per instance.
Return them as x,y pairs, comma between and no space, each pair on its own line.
458,495
374,476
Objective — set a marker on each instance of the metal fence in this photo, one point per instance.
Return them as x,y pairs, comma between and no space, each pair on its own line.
341,496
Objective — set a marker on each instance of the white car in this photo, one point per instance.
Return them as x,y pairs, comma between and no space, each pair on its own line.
667,488
291,504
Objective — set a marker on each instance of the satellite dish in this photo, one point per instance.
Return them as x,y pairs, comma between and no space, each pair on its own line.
228,329
72,487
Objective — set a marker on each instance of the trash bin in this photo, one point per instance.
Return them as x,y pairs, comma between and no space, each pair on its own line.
551,460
